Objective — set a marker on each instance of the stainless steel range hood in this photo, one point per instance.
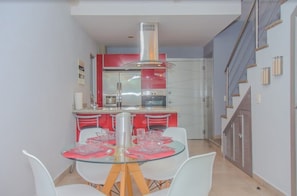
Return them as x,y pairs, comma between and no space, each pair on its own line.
149,49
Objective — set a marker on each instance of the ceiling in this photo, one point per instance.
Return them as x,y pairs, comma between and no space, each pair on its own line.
181,22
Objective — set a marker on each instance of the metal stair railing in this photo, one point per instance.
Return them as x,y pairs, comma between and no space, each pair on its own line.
256,16
236,69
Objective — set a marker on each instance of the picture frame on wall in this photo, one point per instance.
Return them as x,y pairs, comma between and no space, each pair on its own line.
81,72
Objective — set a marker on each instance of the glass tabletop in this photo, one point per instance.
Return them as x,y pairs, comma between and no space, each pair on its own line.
109,154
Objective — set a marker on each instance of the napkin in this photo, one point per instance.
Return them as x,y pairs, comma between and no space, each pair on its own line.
139,152
88,151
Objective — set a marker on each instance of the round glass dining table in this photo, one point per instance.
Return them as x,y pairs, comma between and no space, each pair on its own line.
125,161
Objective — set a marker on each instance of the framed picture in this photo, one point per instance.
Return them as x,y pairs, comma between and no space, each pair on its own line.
81,72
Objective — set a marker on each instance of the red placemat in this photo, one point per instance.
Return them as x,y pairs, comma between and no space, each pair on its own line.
88,151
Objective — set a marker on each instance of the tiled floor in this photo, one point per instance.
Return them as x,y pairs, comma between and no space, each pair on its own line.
228,180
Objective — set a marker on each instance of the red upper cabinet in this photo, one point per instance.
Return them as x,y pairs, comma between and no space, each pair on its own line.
99,80
118,60
153,79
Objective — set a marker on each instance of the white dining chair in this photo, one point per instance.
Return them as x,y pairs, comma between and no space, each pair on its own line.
194,177
163,170
93,173
45,186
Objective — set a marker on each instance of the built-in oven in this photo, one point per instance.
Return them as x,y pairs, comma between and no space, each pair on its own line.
153,98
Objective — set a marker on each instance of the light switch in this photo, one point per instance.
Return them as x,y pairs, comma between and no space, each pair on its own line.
259,98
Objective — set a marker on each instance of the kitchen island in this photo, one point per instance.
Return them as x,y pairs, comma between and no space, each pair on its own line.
106,117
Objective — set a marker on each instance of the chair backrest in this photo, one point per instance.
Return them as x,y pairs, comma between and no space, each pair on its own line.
157,120
87,120
179,134
90,132
194,177
44,184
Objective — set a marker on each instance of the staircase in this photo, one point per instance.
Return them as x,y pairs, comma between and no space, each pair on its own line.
236,122
268,13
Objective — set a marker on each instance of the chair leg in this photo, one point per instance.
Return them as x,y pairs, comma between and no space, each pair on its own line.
72,167
115,186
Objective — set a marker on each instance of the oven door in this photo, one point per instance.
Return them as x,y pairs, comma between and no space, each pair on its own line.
153,101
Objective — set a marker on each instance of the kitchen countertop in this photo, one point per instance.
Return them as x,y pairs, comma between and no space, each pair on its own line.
111,110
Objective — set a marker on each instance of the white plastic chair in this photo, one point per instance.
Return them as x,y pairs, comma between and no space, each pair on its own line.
44,184
93,173
164,169
194,177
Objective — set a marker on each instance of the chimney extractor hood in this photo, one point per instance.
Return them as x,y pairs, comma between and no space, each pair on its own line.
149,49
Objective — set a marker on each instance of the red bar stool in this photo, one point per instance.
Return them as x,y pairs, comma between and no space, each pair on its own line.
157,122
113,122
86,121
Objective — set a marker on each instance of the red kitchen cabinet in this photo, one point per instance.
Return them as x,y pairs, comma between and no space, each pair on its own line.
118,60
153,79
99,80
150,78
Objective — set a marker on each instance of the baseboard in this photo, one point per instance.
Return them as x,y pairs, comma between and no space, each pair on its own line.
263,183
63,174
215,145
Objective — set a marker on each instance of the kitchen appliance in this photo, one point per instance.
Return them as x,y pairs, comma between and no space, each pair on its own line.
125,86
109,100
149,49
154,98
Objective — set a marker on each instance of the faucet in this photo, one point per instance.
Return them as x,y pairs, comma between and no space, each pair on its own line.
94,105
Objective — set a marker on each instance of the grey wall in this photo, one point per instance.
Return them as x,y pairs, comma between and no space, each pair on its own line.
222,48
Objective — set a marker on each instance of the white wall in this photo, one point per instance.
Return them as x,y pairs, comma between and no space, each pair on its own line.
40,45
271,117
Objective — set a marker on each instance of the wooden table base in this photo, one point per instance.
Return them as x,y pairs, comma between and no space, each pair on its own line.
126,170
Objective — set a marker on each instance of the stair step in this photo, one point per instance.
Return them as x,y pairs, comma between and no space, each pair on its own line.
273,24
251,66
223,116
243,87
